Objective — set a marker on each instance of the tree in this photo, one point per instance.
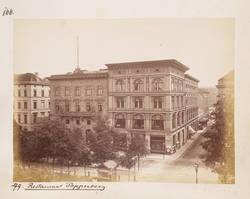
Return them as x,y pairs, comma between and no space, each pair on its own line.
128,162
77,151
101,141
16,142
138,147
220,142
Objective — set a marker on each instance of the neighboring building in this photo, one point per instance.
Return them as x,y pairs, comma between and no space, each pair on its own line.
226,86
78,97
155,99
226,105
31,100
203,101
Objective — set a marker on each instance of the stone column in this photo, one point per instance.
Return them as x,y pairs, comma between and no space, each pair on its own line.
147,139
147,121
168,140
129,121
168,123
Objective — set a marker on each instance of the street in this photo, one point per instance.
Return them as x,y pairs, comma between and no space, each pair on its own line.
180,170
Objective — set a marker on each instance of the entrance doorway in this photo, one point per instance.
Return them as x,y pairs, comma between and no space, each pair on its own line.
157,144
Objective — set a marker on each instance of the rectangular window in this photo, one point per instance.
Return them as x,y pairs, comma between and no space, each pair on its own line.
35,105
19,93
67,91
88,122
177,100
99,107
25,93
42,93
25,106
42,114
78,122
77,103
172,102
43,104
99,90
88,91
67,121
77,91
138,103
88,107
34,93
19,118
67,106
158,103
57,107
34,118
19,105
120,103
25,119
57,91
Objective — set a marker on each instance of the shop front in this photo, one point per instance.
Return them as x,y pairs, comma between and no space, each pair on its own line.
157,144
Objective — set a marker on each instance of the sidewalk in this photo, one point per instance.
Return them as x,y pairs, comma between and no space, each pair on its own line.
178,153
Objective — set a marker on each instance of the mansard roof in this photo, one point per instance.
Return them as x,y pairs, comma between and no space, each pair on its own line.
29,79
167,62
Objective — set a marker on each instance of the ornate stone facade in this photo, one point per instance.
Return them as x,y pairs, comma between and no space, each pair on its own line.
155,99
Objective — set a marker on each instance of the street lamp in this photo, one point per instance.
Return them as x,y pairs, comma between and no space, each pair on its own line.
196,166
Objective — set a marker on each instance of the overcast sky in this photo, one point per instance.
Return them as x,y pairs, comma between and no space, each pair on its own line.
48,47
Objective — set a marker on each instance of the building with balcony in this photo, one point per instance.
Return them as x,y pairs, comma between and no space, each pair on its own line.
155,99
31,100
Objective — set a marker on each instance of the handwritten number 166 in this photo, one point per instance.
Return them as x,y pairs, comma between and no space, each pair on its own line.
8,11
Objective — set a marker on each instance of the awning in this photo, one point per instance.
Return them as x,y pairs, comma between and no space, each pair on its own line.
191,129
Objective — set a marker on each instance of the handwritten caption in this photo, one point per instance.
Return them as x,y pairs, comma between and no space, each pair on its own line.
8,11
55,187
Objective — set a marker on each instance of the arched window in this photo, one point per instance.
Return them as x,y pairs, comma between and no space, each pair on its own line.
138,121
182,118
178,119
119,85
157,85
120,121
157,122
138,85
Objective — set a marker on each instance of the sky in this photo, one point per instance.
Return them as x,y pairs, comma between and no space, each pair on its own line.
48,46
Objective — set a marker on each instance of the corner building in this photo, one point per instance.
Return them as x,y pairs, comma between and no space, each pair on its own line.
155,99
31,100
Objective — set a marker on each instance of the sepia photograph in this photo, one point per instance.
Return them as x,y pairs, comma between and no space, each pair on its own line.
124,100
